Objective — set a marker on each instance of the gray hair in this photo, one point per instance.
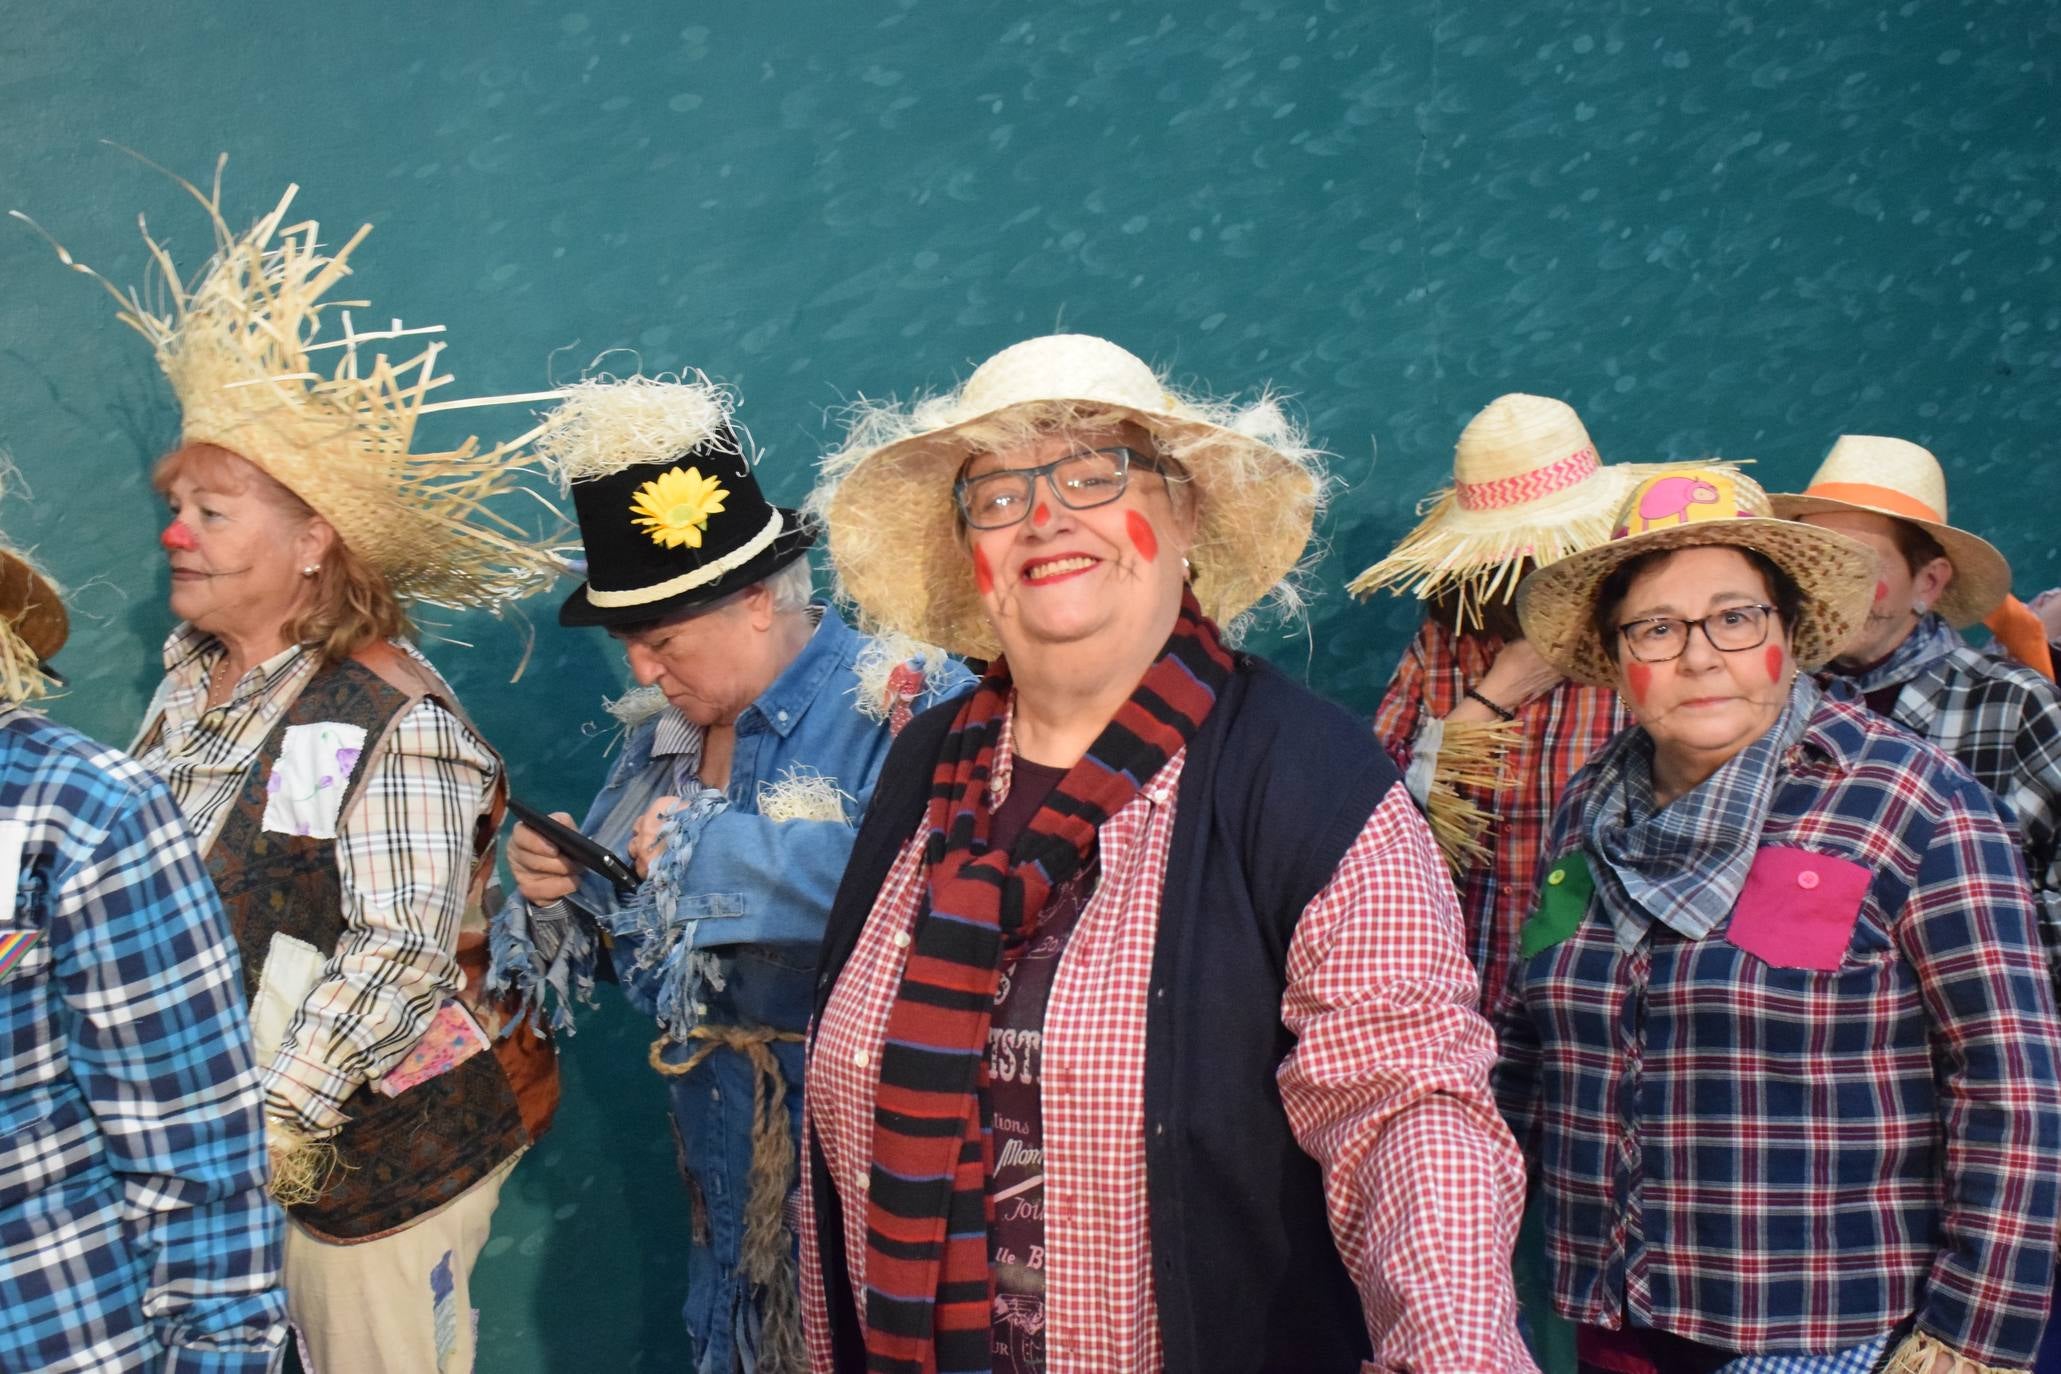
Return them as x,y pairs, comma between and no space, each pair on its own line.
792,587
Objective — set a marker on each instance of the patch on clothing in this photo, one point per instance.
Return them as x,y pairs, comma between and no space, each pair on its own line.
290,971
14,944
1563,901
1798,908
443,1294
451,1038
306,789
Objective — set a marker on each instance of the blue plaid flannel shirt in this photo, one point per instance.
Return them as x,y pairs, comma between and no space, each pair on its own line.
1780,1160
135,1233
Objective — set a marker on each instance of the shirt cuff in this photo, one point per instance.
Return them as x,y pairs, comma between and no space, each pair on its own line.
302,1094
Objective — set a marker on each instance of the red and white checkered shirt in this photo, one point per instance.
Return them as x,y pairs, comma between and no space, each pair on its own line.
1387,1089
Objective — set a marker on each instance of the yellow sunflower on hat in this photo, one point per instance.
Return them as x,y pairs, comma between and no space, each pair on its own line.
674,507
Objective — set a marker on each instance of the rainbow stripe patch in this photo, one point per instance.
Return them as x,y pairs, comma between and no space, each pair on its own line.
14,944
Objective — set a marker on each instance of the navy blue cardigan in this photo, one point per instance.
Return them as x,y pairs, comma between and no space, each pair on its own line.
1275,788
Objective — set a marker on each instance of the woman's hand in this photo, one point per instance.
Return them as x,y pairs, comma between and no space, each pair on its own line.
542,874
647,841
1517,675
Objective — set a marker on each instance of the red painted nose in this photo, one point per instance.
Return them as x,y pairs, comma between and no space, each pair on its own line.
1042,515
177,538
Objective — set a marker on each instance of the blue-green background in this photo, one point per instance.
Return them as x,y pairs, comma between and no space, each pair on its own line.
1737,228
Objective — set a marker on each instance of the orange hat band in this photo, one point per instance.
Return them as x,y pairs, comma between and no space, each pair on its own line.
1881,498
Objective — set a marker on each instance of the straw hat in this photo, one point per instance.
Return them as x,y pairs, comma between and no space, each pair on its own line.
670,513
894,532
240,346
1877,475
1526,484
33,623
1690,507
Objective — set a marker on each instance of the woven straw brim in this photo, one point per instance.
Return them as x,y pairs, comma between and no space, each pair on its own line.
1982,575
1556,604
894,529
1476,552
31,603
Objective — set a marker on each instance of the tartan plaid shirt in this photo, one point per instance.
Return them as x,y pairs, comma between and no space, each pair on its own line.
2002,722
1775,1159
135,1233
404,857
1562,728
1386,1088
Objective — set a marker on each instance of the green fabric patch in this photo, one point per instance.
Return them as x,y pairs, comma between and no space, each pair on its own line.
1563,901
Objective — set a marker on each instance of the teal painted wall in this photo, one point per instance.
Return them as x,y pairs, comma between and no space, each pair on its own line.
1738,228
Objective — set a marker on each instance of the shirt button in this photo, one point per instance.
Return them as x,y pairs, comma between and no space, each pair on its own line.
902,939
1807,879
859,1059
783,717
860,1181
1556,877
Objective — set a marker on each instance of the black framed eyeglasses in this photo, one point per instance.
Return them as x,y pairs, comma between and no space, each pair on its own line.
1664,638
1081,480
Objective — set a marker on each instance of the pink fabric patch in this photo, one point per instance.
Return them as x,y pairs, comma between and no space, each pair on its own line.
1798,908
452,1038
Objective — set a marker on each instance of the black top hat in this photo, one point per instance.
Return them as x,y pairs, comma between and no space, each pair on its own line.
668,536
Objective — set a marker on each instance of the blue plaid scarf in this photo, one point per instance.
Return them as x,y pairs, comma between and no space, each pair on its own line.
1684,864
1932,638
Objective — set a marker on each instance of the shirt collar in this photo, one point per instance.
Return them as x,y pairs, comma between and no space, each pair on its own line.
191,654
782,704
675,735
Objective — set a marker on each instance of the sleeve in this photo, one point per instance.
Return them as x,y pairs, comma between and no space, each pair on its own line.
1967,929
159,1043
1395,720
2036,804
814,1304
405,855
1387,1089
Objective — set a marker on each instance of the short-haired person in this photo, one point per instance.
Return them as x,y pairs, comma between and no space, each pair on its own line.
1999,719
1782,1050
345,805
747,761
1146,1038
135,1234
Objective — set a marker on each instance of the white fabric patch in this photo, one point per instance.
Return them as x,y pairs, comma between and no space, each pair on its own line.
292,968
306,789
14,838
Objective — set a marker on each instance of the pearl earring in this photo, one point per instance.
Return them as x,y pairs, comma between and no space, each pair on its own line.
1918,607
310,570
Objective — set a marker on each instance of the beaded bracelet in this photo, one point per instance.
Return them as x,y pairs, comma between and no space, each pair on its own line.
1502,711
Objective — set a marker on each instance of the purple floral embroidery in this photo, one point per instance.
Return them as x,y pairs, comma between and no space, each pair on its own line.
346,760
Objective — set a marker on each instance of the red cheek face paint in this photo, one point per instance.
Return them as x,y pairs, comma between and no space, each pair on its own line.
1142,537
983,574
1042,515
177,538
1639,677
1775,660
1881,592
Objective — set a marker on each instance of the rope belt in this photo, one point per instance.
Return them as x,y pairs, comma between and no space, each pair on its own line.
767,1255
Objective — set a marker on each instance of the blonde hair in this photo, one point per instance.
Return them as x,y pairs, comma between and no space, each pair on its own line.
351,605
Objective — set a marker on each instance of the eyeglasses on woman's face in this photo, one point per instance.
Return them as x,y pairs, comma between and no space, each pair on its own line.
1081,480
1665,638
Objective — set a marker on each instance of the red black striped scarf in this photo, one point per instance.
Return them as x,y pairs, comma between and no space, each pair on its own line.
927,1205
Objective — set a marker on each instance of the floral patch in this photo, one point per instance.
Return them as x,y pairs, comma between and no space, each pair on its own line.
674,507
306,789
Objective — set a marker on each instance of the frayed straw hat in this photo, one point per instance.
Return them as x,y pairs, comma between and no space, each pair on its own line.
239,346
886,495
1526,484
33,624
1877,475
1689,507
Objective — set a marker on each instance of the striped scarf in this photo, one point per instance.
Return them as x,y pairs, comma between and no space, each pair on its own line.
927,1205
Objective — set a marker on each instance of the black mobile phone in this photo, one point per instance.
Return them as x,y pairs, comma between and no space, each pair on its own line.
582,850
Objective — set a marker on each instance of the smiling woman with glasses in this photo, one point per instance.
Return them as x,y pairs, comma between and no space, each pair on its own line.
1780,1040
1144,1038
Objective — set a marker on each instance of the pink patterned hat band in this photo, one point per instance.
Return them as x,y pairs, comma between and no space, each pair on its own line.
1554,477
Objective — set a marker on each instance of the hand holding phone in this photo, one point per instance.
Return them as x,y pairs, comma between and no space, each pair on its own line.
534,871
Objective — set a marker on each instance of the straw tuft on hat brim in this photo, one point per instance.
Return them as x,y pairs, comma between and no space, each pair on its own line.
1476,553
1982,575
894,538
1556,603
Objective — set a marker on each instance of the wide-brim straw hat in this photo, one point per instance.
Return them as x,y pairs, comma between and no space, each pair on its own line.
266,364
33,621
1692,507
886,495
1877,475
1527,484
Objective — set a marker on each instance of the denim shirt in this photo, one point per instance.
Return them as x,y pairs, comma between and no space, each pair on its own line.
750,899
